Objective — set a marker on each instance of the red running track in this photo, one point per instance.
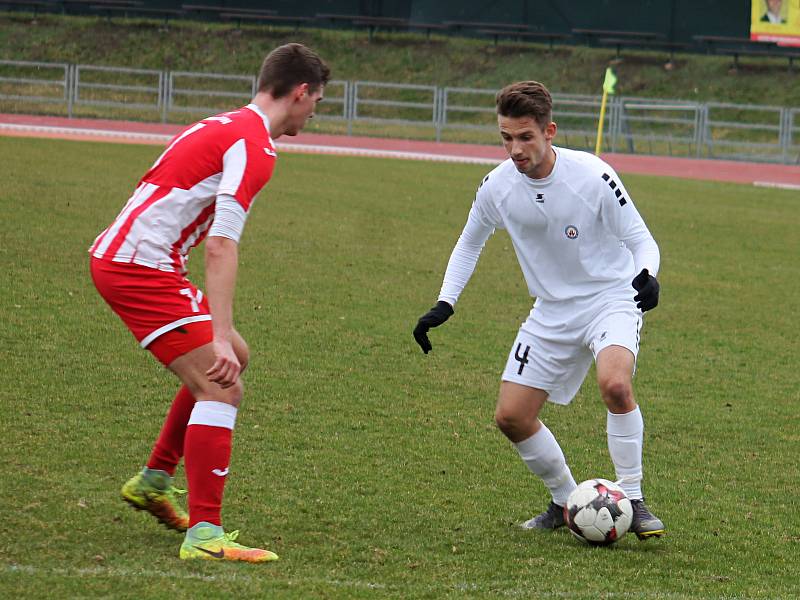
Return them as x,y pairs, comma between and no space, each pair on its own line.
157,133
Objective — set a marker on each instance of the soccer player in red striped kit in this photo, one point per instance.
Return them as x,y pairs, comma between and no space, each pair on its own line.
201,187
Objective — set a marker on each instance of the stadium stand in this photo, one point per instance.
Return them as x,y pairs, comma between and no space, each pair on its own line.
97,5
641,40
137,11
593,36
533,36
372,24
427,27
475,25
216,11
33,5
565,26
736,47
641,44
263,17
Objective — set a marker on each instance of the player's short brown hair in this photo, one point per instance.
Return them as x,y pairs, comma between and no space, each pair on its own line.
291,65
526,99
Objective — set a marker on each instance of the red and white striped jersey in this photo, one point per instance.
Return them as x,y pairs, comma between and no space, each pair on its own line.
173,206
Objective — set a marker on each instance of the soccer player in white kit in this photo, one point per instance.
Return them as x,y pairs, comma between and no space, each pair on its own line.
590,261
201,187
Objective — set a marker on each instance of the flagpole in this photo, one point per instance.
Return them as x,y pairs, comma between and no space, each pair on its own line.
599,142
609,82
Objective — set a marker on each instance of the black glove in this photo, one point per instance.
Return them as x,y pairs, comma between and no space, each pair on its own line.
433,318
648,288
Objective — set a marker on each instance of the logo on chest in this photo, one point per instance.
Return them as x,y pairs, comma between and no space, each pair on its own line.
571,232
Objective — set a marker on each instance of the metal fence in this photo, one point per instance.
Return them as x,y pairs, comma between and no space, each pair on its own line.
791,136
652,126
118,88
36,82
205,93
633,125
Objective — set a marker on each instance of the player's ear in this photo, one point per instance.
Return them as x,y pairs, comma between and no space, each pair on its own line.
550,131
301,91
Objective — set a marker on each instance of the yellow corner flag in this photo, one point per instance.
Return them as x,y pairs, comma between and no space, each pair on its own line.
610,81
608,88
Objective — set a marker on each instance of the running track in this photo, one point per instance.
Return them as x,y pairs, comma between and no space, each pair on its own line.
770,175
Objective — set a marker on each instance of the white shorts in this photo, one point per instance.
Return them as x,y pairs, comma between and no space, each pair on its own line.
556,357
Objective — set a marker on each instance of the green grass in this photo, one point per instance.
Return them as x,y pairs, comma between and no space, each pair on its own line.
373,470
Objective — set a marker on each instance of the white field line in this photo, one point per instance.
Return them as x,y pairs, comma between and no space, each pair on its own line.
60,131
343,150
159,138
493,588
286,147
775,184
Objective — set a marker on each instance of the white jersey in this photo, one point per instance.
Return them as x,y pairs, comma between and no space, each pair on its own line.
576,233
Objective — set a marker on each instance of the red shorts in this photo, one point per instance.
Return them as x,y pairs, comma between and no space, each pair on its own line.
166,313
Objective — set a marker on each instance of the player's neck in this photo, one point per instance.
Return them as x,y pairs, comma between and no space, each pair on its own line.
275,110
544,168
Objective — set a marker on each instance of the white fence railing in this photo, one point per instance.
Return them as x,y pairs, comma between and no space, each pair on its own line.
633,125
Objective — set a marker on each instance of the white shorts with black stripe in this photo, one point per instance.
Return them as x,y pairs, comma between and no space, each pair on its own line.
555,355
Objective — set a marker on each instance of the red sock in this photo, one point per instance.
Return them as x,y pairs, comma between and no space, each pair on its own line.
208,452
168,449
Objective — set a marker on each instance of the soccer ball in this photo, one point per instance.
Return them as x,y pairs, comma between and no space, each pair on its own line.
598,512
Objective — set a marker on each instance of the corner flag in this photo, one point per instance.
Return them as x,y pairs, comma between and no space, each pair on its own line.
609,83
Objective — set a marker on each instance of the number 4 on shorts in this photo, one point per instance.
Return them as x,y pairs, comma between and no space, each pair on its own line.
523,360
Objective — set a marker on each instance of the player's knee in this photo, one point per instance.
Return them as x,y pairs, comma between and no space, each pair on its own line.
509,422
235,393
616,391
230,395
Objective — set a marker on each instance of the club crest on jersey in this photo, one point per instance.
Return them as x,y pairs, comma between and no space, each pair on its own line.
571,232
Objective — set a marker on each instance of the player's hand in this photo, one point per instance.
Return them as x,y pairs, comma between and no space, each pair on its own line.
226,368
648,288
433,318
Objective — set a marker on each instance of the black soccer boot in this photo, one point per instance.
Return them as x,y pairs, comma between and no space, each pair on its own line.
552,518
645,524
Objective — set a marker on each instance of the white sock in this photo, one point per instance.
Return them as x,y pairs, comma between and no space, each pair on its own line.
543,456
213,414
625,435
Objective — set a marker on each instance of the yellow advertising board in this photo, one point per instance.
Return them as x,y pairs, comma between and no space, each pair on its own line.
775,21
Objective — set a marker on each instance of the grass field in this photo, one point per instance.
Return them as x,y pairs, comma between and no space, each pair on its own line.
373,470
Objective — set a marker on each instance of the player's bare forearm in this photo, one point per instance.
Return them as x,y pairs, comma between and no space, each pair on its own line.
222,261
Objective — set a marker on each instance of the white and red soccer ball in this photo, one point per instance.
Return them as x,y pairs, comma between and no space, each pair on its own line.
598,512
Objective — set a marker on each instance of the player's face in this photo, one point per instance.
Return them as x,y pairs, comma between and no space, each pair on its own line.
305,102
528,145
774,6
